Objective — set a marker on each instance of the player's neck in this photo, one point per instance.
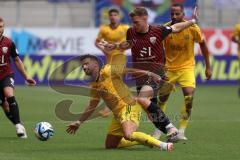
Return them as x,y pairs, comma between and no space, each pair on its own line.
145,30
96,76
114,25
1,37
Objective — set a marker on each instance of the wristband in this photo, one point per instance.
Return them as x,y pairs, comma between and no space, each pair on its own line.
194,21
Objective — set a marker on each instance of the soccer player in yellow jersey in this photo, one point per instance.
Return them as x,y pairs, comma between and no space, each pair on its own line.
107,84
114,32
236,39
179,51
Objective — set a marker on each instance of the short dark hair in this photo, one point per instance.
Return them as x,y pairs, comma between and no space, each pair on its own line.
113,10
139,11
178,5
92,57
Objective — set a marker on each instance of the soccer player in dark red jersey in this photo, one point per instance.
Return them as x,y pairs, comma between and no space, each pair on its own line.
145,42
146,45
10,106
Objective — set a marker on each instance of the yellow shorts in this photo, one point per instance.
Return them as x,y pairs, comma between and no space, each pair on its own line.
184,77
128,113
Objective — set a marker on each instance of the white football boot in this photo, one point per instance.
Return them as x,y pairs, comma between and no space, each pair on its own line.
21,131
166,146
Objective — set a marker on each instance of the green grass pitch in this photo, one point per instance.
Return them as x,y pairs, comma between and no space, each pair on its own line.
213,131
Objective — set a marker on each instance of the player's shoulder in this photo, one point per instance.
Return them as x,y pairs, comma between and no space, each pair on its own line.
124,26
156,27
130,30
104,27
168,23
7,40
195,26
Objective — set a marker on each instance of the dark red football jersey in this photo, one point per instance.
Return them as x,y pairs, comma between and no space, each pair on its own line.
7,50
147,49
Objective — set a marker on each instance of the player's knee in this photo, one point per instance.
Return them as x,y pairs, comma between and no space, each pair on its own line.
163,99
127,135
146,92
188,101
143,101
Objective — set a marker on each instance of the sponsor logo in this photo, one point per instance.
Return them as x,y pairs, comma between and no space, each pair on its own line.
153,40
4,50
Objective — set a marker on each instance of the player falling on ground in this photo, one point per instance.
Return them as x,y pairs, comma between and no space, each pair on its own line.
236,39
8,101
180,63
107,83
114,32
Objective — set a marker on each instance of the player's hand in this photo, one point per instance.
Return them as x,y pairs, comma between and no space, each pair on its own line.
73,127
195,13
125,45
106,47
31,82
208,73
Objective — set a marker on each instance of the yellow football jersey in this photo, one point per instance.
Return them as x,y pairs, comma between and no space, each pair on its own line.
236,33
111,88
117,35
179,48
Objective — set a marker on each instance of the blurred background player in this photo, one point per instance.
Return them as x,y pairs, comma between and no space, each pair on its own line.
108,85
236,39
8,101
179,51
114,32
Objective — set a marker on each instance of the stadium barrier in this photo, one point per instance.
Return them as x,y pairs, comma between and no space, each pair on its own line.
41,67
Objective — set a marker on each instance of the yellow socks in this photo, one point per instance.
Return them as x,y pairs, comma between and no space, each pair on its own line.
145,139
125,143
186,111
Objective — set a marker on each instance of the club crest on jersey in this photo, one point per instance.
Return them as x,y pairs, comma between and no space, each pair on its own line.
153,40
4,50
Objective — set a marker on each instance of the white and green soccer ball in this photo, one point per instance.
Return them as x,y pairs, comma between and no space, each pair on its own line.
43,131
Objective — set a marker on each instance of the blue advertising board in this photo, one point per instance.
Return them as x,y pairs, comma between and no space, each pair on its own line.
67,69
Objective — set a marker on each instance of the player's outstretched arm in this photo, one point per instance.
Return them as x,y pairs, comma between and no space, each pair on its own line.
73,127
138,73
21,69
112,46
205,52
180,26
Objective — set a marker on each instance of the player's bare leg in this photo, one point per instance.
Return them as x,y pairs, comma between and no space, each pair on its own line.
157,116
14,111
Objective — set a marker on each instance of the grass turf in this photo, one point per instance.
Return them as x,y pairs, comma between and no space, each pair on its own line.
213,132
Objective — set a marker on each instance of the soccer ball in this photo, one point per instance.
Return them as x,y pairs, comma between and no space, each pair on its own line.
43,131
